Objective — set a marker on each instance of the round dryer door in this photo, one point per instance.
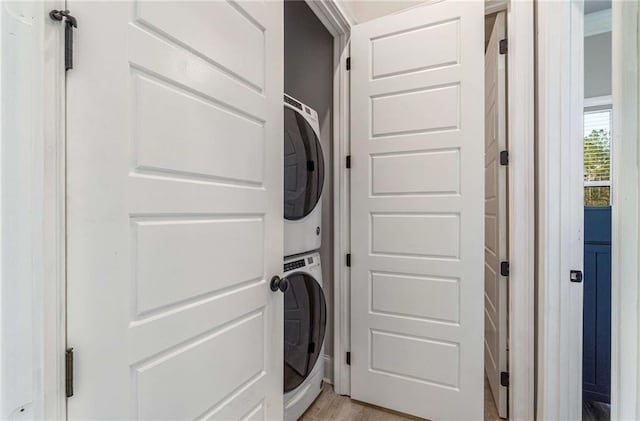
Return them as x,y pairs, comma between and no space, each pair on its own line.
303,166
305,320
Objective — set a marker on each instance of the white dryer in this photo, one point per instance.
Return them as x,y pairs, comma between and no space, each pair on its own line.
305,321
303,178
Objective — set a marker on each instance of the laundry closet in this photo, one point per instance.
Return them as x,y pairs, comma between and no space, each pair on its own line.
308,207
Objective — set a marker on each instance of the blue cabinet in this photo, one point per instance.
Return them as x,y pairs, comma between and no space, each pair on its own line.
596,356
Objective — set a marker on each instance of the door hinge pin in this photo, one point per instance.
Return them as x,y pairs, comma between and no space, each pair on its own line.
70,23
504,157
348,161
504,268
348,358
348,63
68,369
504,46
348,260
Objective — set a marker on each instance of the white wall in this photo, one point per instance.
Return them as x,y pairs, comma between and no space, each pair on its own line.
19,132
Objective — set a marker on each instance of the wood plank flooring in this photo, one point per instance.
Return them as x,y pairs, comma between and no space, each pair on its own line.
332,407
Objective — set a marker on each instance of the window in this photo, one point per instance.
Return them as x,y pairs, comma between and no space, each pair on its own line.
597,157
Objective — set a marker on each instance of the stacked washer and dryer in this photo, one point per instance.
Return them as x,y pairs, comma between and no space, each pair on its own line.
305,312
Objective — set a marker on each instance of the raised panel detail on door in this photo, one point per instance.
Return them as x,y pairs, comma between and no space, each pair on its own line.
425,39
418,235
157,398
416,111
428,298
234,42
174,210
173,261
417,183
431,172
163,112
384,358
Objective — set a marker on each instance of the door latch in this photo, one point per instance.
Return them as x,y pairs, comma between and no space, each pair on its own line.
70,22
576,276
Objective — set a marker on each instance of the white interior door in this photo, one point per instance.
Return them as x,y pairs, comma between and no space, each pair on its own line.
495,220
417,211
175,210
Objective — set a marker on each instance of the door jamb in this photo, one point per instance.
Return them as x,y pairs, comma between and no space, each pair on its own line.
338,24
46,213
560,98
625,339
521,202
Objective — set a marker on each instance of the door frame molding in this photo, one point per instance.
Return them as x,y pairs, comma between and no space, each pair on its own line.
625,241
560,99
338,24
521,203
45,184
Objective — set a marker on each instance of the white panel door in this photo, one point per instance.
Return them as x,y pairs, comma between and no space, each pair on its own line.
175,210
495,219
417,211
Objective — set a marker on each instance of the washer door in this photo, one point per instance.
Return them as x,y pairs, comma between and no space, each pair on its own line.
303,166
305,320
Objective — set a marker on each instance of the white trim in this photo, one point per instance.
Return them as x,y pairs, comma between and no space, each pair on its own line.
598,101
342,239
331,15
495,6
328,369
520,122
560,207
597,22
597,183
625,293
54,334
44,184
337,23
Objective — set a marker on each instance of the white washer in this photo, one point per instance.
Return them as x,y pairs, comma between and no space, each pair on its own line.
303,178
305,320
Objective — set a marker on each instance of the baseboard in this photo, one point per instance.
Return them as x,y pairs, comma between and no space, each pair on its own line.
328,369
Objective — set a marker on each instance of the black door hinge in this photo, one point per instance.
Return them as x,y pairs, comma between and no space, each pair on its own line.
70,22
348,63
504,46
504,268
504,379
504,157
348,260
576,276
348,358
348,161
68,372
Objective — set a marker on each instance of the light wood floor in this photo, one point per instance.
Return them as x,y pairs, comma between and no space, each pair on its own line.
332,407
